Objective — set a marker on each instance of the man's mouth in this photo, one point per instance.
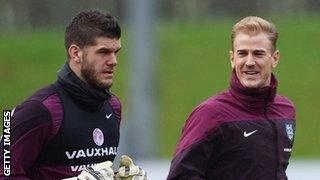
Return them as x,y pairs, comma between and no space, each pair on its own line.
251,72
108,72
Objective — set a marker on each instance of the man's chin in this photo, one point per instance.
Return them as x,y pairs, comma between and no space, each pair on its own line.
251,84
105,85
101,85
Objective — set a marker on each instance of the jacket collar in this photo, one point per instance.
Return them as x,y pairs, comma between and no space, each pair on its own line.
253,99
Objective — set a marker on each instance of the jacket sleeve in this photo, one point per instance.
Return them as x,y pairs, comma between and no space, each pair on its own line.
196,148
30,128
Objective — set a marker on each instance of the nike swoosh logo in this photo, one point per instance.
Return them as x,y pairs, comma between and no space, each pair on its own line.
245,134
108,116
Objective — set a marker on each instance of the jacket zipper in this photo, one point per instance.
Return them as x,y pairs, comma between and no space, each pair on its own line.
275,137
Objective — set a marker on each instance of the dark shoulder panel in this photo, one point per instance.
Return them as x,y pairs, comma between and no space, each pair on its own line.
42,94
202,120
54,106
116,106
192,162
27,116
39,109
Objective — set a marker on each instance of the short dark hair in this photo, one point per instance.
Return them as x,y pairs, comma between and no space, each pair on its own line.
88,25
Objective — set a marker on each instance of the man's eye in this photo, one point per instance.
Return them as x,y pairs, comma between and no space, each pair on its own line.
259,54
241,54
104,52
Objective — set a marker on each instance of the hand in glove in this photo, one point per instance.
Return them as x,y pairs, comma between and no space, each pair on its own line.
129,171
100,171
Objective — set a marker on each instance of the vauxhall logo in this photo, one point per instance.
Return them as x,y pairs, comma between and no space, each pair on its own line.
91,152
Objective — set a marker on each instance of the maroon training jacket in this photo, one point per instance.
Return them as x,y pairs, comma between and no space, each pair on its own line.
238,134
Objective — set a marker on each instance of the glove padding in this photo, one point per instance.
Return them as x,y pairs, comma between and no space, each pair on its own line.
100,171
129,171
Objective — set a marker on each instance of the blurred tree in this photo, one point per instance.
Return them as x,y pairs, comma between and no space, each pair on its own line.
15,14
20,12
39,12
7,16
119,9
239,8
43,13
167,8
313,5
61,12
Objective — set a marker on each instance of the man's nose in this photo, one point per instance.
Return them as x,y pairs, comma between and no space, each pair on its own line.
250,60
112,59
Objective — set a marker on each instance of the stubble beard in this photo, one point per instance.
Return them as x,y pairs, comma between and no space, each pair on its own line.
91,76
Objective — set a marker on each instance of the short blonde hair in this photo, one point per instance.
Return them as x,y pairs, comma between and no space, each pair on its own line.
253,25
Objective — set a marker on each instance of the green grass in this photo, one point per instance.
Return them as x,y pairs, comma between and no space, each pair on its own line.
28,61
192,65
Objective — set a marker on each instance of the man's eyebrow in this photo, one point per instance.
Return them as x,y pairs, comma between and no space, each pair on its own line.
259,51
241,50
256,50
104,49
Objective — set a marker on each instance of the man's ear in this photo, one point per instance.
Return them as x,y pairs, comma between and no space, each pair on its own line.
231,58
275,58
75,53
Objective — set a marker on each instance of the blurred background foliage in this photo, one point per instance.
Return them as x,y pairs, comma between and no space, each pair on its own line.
192,60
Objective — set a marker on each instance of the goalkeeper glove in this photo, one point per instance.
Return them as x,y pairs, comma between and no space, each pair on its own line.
129,171
100,171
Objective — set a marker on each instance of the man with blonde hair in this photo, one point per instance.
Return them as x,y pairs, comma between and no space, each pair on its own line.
247,131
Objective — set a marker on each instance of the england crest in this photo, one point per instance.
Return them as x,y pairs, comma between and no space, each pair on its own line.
98,136
289,130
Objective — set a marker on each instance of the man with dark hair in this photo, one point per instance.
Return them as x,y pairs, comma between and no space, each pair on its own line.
73,123
246,132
